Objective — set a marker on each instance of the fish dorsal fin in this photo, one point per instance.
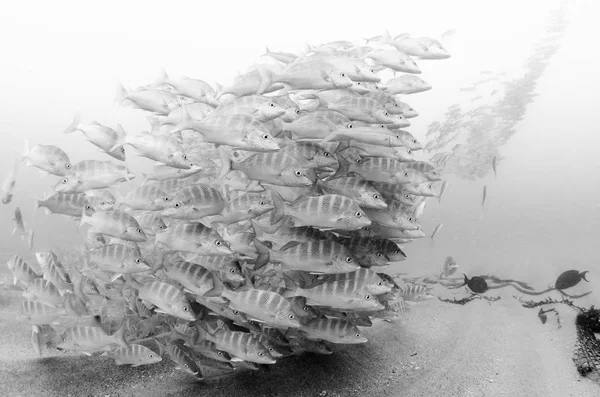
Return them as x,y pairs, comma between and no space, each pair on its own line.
289,245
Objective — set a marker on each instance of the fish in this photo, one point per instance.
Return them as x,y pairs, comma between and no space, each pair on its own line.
21,270
436,230
569,279
494,167
91,338
49,159
476,284
180,357
442,190
113,223
69,204
135,356
333,330
9,184
484,195
20,228
448,268
102,136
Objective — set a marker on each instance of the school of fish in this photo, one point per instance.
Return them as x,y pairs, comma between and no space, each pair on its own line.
264,228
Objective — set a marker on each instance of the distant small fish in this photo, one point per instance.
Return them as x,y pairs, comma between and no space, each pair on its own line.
9,184
569,279
449,267
442,190
476,284
448,32
494,167
436,230
484,195
20,227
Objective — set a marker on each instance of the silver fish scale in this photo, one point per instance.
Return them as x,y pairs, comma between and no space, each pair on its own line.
361,103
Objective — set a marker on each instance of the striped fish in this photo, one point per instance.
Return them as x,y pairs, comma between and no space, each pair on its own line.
135,356
113,223
283,233
48,158
21,270
168,298
262,108
226,267
180,357
330,211
70,204
40,313
195,278
118,259
263,305
319,256
243,207
87,339
146,197
342,293
380,169
43,290
195,202
356,188
392,219
93,174
333,330
415,293
192,237
311,155
276,168
241,345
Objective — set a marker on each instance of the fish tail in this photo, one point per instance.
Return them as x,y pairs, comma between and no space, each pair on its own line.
582,275
343,167
74,124
121,95
278,211
119,335
265,79
290,285
186,121
217,289
25,156
163,78
30,235
225,162
263,254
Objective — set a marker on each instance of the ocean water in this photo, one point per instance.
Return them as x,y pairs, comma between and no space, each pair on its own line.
541,215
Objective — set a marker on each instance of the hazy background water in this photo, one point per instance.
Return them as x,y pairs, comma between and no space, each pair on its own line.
542,214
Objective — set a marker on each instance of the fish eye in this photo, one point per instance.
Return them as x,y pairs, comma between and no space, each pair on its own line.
380,283
371,70
122,150
348,259
185,309
367,297
272,104
262,203
430,186
137,260
218,242
177,205
358,160
231,270
414,141
343,74
166,198
139,230
102,202
350,126
88,207
379,254
297,111
376,197
358,335
151,356
236,312
68,166
407,196
327,154
406,173
291,316
266,136
65,180
184,156
410,218
305,308
261,354
219,353
358,214
298,173
386,114
396,251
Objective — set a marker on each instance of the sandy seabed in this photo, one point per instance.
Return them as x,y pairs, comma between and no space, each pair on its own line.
439,349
